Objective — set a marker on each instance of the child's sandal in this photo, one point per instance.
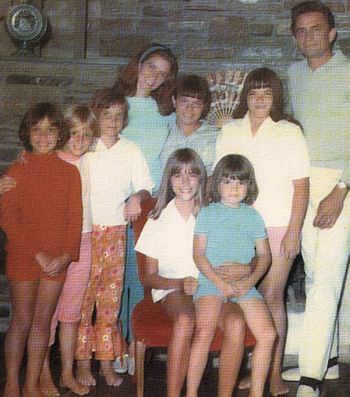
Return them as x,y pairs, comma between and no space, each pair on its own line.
119,367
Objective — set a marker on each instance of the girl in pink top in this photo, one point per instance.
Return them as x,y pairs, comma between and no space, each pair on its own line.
82,126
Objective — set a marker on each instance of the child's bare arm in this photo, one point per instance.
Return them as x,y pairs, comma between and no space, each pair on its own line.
152,279
290,246
205,267
190,285
132,208
263,256
232,271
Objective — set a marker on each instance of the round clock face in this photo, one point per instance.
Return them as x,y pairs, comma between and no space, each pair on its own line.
26,22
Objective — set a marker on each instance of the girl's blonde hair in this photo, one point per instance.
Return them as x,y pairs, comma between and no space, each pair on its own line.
83,114
235,167
180,158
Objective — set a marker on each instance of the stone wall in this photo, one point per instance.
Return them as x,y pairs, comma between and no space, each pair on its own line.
91,39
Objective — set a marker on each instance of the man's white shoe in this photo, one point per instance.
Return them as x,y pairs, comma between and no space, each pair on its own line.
293,374
307,391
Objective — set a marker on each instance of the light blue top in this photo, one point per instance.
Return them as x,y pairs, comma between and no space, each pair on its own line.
148,129
203,141
231,232
321,102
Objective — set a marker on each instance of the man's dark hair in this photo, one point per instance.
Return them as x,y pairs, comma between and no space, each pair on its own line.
311,6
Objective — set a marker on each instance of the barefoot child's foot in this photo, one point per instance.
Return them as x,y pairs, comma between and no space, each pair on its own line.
277,386
12,390
84,375
69,382
46,383
107,371
244,383
32,392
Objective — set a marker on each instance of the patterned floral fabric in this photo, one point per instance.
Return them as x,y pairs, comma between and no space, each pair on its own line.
104,291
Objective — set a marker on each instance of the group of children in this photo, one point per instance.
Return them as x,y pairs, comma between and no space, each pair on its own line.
51,266
80,182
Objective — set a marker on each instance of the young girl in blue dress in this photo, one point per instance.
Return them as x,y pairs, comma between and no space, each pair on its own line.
229,231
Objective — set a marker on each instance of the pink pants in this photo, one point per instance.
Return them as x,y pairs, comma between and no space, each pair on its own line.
104,292
69,305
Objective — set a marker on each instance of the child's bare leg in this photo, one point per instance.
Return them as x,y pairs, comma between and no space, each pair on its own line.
107,371
68,337
23,294
46,383
272,288
131,357
232,324
259,320
207,311
84,374
180,309
38,341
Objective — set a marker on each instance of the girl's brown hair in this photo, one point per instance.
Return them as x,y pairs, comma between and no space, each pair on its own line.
180,158
162,95
82,114
195,87
235,167
263,78
38,112
107,97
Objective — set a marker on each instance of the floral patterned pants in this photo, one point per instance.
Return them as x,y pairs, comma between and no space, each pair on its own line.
104,292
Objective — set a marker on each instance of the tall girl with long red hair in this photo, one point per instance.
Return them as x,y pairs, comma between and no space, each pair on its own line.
148,81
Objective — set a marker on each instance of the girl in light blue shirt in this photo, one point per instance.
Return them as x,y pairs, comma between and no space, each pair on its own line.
230,232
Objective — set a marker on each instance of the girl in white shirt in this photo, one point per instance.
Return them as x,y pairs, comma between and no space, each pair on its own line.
277,149
119,181
167,241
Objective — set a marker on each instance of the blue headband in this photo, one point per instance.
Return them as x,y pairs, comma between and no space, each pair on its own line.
155,47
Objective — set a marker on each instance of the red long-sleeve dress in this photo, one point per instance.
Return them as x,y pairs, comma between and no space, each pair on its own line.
42,213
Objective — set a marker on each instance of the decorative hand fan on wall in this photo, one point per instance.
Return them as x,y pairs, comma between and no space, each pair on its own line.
225,87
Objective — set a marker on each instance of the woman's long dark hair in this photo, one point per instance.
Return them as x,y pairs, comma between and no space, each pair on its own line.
128,77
